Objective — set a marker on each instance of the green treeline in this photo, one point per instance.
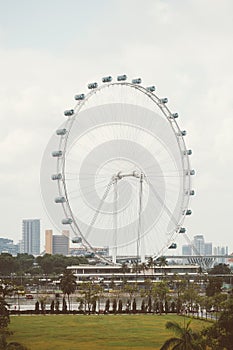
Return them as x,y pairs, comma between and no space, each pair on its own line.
46,264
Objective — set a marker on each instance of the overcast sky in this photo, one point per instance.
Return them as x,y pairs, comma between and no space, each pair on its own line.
50,50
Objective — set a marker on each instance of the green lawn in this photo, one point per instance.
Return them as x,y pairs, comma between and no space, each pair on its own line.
72,332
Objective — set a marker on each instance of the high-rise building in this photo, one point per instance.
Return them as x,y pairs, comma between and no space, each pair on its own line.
199,244
60,244
31,236
7,246
221,251
49,241
198,247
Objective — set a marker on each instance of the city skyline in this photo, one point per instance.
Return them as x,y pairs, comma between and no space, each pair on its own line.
184,49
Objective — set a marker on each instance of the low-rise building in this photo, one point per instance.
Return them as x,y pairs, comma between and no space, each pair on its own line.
118,274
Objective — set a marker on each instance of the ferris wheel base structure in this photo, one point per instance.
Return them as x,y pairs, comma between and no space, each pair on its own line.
117,173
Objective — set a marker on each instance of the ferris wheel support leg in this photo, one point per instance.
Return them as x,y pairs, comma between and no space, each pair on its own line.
114,253
139,246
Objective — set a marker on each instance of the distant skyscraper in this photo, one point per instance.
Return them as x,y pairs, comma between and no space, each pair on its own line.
198,247
208,248
221,251
60,244
31,236
49,241
7,246
199,244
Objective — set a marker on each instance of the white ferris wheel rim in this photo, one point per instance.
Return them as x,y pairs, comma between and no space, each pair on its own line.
61,162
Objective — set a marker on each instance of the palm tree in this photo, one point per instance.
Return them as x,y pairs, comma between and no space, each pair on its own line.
186,339
162,262
136,269
151,265
68,284
124,269
144,268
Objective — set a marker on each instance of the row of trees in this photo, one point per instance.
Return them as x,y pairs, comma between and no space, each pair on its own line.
46,264
184,297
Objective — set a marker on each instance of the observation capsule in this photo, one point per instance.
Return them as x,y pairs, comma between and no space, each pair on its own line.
59,200
79,97
57,153
150,88
56,176
188,152
164,100
122,77
191,192
61,132
107,79
67,221
192,172
173,246
188,212
183,133
137,81
175,115
77,240
182,230
92,86
69,112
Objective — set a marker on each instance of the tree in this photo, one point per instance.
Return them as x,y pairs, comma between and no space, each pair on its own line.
160,291
124,268
180,285
120,306
107,306
131,289
220,335
214,286
143,307
24,262
151,264
186,339
162,262
4,314
114,306
6,290
64,305
134,306
90,293
37,307
57,303
7,264
144,268
136,269
190,295
4,332
68,284
43,305
52,305
220,269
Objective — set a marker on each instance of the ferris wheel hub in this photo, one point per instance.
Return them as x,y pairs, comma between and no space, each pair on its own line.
120,175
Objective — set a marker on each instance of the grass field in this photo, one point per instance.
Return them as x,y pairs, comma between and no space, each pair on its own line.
72,332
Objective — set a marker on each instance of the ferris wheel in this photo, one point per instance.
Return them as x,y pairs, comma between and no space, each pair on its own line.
117,171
